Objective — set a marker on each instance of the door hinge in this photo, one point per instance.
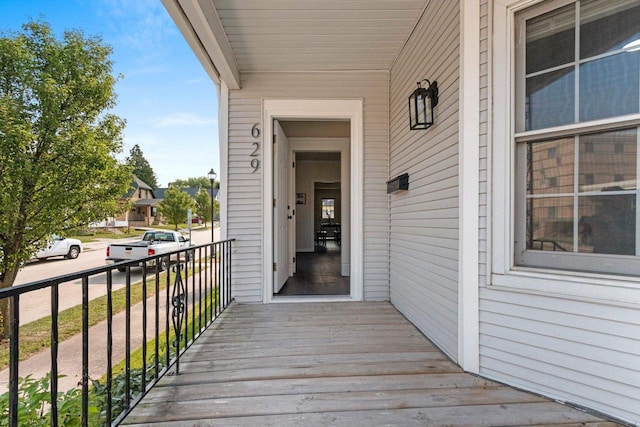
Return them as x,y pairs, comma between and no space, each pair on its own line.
275,266
293,164
294,260
274,203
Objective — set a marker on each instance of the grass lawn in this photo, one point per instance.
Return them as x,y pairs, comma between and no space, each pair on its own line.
107,235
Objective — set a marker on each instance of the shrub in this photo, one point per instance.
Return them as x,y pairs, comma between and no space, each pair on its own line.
34,404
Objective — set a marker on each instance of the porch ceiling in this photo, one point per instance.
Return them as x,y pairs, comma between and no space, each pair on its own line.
296,35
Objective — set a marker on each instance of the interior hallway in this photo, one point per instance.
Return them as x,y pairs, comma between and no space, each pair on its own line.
318,273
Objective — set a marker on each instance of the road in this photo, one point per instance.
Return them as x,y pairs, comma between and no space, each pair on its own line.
37,304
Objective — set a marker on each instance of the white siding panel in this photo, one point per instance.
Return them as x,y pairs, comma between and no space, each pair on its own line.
484,137
581,352
245,208
424,220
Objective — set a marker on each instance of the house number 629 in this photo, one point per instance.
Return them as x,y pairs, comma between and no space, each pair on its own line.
255,162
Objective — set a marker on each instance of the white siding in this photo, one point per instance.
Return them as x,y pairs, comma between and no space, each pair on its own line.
424,220
579,351
484,137
245,209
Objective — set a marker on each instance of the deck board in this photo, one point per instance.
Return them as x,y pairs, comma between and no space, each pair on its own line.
355,364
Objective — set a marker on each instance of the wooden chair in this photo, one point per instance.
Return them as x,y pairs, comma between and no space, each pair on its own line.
321,237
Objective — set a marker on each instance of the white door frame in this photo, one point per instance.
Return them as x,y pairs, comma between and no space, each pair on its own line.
316,109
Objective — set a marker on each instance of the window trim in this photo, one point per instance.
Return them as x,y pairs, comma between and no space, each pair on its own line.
504,273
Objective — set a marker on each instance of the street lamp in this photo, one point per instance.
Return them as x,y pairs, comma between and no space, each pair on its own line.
212,177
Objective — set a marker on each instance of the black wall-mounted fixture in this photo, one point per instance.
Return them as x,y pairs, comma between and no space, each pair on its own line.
399,183
421,103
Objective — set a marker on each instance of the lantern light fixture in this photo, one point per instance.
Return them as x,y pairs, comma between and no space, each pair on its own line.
421,104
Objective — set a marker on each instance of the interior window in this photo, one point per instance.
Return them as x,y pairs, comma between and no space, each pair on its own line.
328,209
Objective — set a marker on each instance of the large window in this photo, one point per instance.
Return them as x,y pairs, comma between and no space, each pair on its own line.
577,135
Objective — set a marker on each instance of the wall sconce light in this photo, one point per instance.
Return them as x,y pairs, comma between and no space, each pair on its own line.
421,103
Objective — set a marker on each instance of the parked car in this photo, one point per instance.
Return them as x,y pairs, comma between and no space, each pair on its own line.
60,246
154,242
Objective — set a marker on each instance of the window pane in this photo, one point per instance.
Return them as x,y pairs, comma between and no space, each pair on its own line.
550,99
607,25
328,208
550,39
550,224
550,169
611,163
607,224
609,86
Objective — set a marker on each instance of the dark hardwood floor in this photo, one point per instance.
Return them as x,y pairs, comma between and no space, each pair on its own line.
318,273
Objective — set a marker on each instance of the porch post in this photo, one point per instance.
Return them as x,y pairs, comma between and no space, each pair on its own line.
469,176
223,138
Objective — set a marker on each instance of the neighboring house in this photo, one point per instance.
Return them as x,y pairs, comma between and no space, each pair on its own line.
144,205
516,248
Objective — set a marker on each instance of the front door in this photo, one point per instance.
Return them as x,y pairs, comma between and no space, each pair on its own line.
282,211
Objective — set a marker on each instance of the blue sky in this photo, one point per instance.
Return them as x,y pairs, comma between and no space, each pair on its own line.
168,100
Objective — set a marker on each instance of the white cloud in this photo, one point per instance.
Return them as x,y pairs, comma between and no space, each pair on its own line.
141,24
183,119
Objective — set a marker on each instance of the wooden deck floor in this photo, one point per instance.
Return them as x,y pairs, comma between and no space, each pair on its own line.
341,364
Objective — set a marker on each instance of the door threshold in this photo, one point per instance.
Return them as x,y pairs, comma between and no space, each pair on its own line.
311,298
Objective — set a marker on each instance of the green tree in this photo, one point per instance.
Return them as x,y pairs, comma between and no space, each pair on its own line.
141,167
175,206
58,142
197,182
203,205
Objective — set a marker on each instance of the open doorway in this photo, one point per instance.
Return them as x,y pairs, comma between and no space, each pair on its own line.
280,209
315,218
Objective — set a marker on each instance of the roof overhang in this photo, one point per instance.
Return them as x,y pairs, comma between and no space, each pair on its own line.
231,37
200,25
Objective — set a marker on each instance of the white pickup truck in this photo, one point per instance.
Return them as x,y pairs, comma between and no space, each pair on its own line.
154,242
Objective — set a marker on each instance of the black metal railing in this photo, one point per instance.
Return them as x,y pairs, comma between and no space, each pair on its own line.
186,299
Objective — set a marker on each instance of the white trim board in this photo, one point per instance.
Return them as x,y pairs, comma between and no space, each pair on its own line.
469,176
223,141
292,109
